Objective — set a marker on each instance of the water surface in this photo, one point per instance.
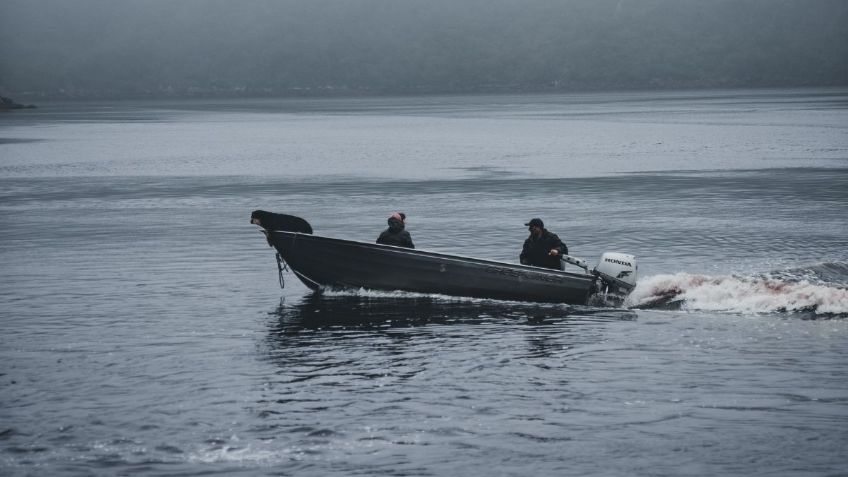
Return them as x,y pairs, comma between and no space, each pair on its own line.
144,329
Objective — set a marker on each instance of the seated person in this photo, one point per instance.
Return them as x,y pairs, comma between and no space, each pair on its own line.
542,248
396,234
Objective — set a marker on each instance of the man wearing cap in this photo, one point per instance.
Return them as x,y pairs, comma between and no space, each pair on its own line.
542,248
395,234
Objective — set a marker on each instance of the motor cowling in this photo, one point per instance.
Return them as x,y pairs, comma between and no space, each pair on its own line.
618,270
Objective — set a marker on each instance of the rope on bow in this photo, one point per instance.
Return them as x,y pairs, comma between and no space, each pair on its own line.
282,266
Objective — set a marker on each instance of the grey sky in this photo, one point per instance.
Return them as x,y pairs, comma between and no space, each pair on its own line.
165,47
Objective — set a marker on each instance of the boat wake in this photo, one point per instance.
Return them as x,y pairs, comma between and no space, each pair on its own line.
821,290
445,300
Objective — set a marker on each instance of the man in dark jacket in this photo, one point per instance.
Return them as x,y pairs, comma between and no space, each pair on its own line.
542,248
395,234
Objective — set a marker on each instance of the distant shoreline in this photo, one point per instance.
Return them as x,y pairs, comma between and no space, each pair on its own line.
434,94
344,92
7,104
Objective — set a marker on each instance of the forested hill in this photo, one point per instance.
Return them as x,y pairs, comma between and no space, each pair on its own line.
155,48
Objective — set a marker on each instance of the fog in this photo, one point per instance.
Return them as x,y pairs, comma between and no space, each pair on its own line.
162,48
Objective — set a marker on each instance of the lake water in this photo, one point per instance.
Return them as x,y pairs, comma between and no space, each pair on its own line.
144,330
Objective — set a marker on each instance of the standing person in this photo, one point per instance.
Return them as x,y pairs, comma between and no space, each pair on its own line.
542,248
396,234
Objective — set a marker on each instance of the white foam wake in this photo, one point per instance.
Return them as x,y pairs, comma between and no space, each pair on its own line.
738,294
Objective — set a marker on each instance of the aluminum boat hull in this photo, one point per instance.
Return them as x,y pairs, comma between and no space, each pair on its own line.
322,263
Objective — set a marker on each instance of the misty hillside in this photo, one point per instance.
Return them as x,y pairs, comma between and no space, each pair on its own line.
137,48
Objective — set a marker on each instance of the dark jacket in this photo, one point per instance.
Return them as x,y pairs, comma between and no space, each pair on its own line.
396,235
536,250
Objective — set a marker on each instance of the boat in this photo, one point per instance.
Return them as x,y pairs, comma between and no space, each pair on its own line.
325,263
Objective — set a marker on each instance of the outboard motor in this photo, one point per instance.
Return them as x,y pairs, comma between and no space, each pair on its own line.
617,274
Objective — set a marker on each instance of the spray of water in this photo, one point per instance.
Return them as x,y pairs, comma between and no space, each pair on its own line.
769,293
